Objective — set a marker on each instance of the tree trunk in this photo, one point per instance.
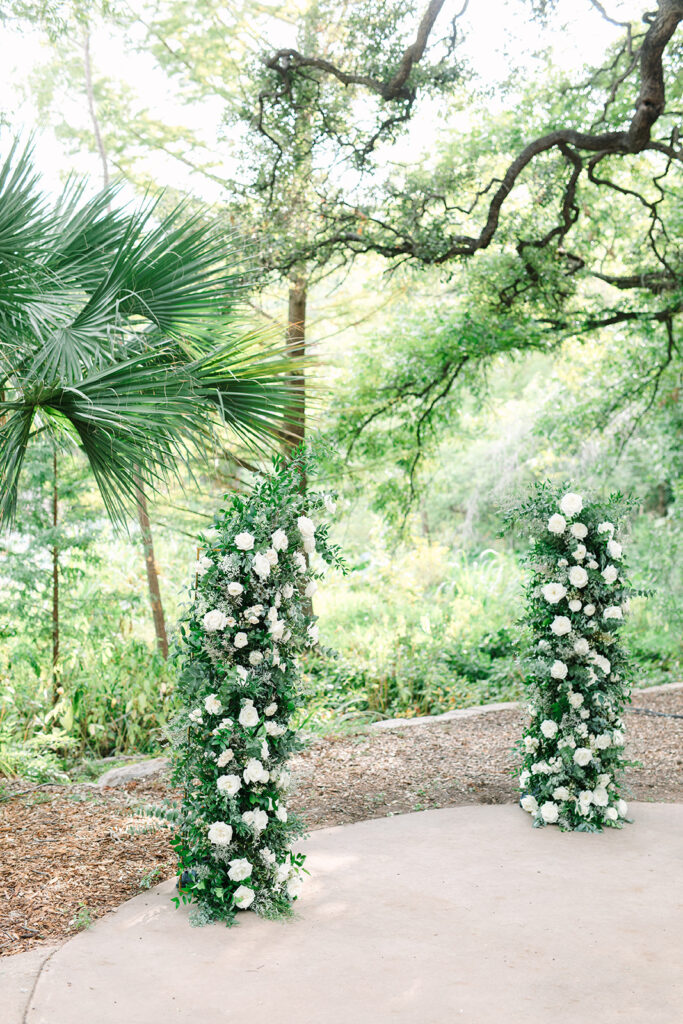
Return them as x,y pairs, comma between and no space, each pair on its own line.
295,432
152,575
55,577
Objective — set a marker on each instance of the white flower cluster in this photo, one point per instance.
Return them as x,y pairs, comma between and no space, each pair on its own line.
574,743
246,627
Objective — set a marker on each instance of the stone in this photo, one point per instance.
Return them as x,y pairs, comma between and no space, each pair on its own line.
130,772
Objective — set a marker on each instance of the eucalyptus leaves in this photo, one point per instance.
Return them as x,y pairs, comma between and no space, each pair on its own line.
577,595
240,687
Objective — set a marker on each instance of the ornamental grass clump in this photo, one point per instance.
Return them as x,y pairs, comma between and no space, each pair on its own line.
239,686
577,595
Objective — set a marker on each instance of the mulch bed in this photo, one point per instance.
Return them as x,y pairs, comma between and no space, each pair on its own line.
68,855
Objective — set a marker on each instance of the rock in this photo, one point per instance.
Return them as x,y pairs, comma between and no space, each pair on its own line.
129,772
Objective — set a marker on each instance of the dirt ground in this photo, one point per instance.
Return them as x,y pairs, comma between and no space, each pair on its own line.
68,854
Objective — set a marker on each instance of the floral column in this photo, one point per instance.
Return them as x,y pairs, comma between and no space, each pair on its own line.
576,596
240,686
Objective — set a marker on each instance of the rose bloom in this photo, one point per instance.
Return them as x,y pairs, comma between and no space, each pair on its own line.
255,658
239,869
600,797
581,646
576,699
622,808
571,504
313,632
273,729
330,504
552,592
299,561
242,672
306,526
592,564
228,784
579,552
578,577
589,609
224,758
202,565
235,589
614,549
294,887
549,812
254,771
270,710
610,573
582,756
287,591
280,540
611,814
281,813
309,545
215,620
560,625
561,793
558,670
311,589
244,541
549,728
241,640
557,524
220,833
613,612
578,530
563,563
248,716
605,527
261,566
213,705
271,555
529,803
574,605
243,897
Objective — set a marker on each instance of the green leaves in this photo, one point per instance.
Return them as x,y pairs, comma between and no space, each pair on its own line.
121,333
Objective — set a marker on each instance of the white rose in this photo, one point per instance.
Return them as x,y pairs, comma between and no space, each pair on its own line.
571,504
225,758
578,530
613,612
549,812
255,658
622,808
228,784
557,524
294,887
531,743
563,563
610,573
561,793
579,552
299,561
581,646
254,771
574,605
235,589
529,804
313,632
215,620
270,710
244,541
248,716
281,812
600,797
524,778
311,589
261,566
306,526
213,705
576,699
277,629
558,670
582,756
282,780
239,869
592,564
552,592
260,820
618,738
280,540
267,856
614,549
220,833
241,640
549,728
271,555
605,528
578,577
242,672
586,798
243,897
309,545
330,504
202,565
602,662
589,609
287,591
611,814
560,625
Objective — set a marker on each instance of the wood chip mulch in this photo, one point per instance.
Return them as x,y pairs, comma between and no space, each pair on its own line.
68,854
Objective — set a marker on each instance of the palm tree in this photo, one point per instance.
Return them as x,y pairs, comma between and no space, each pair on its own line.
122,334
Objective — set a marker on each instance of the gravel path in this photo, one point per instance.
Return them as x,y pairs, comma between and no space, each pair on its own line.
69,856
